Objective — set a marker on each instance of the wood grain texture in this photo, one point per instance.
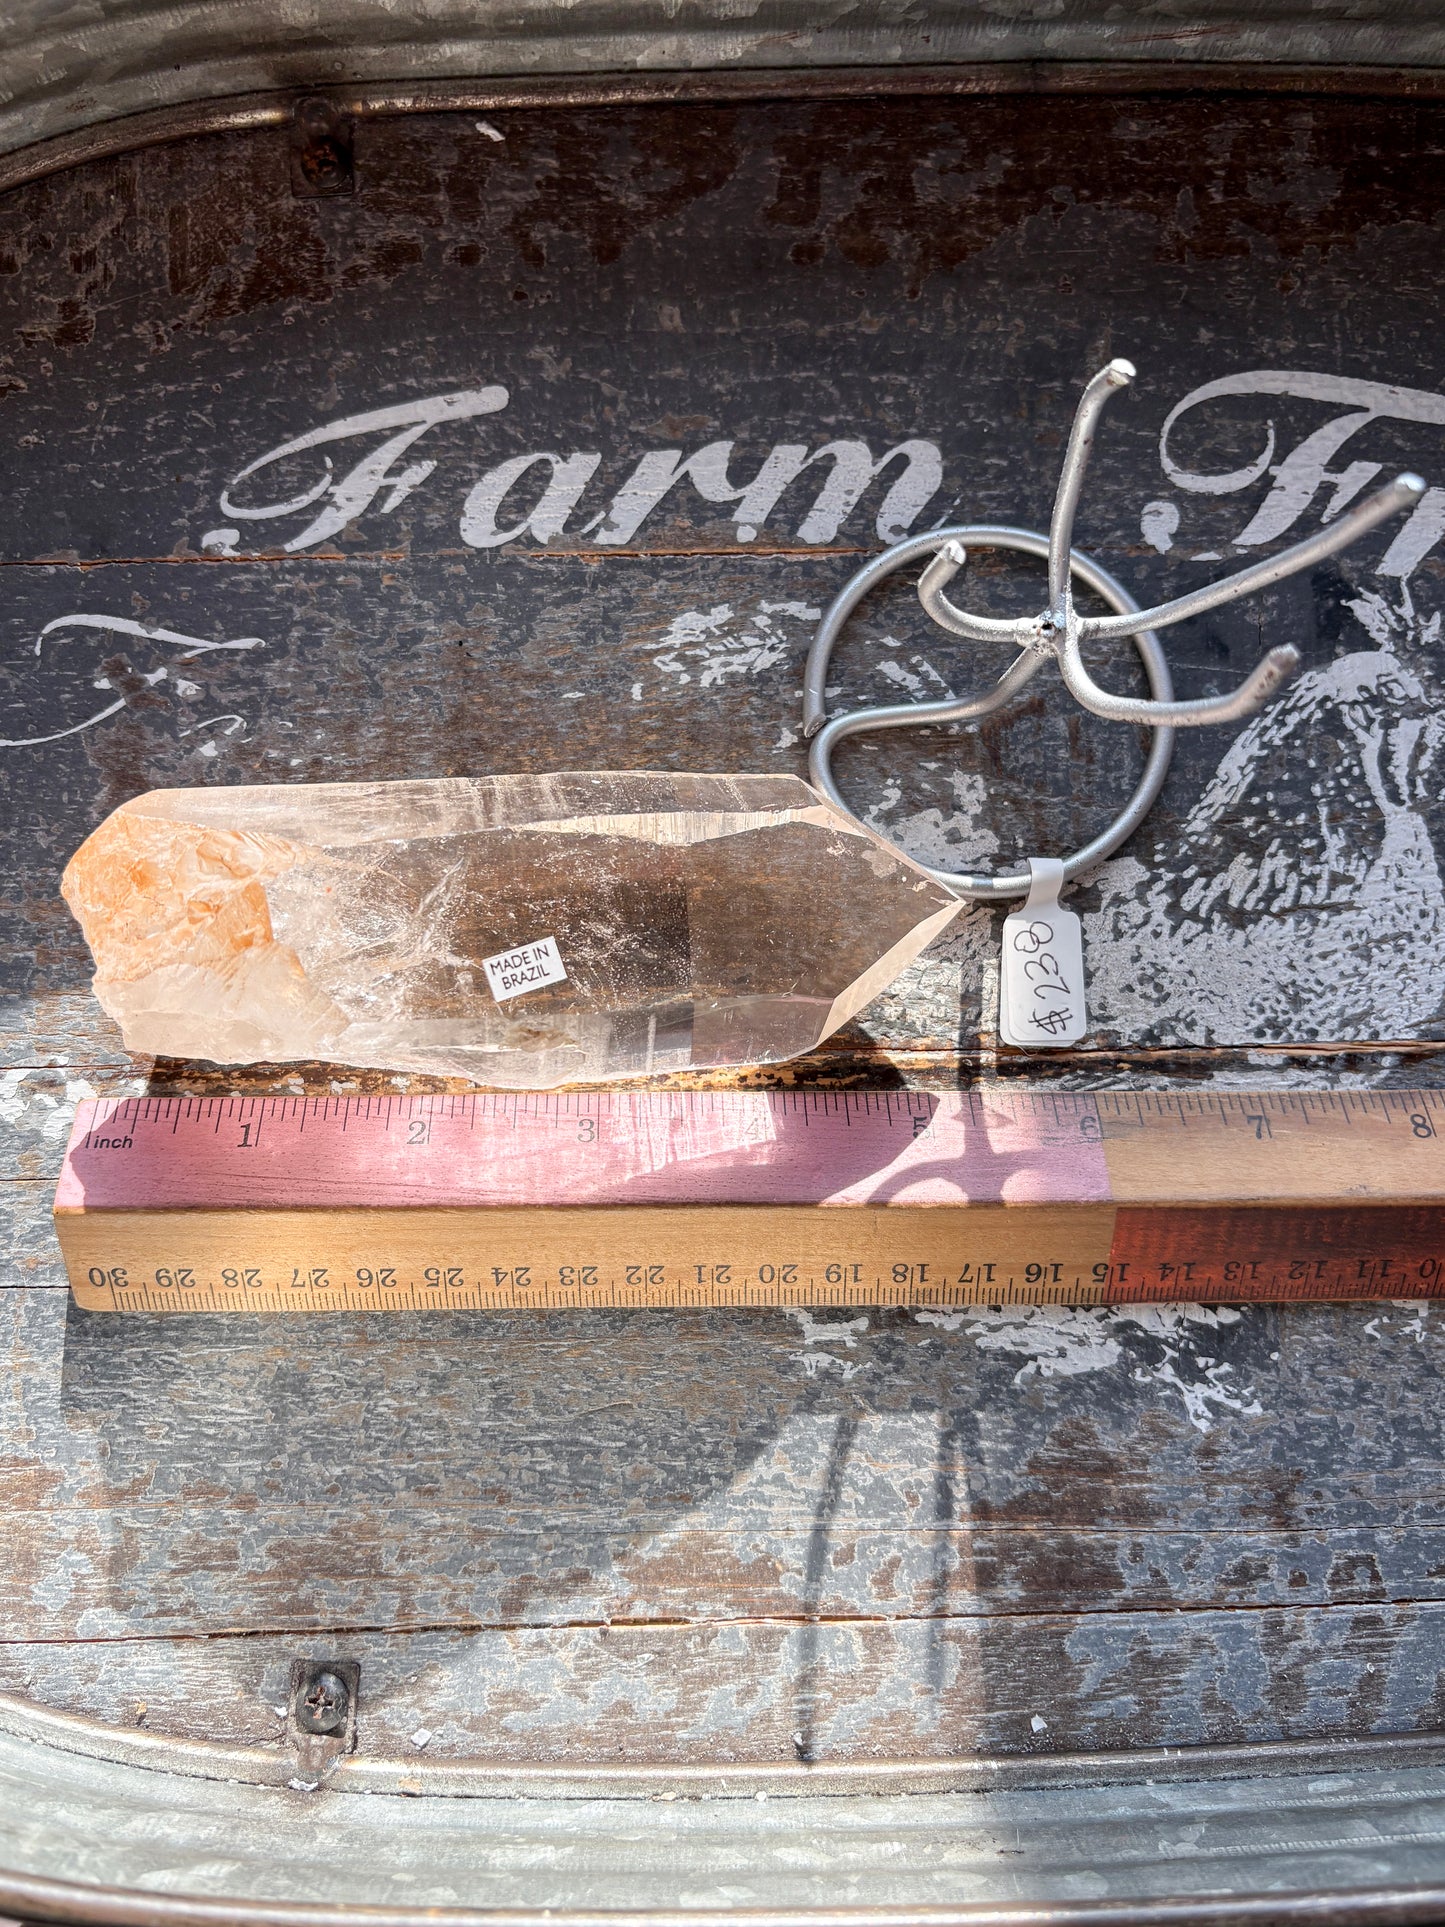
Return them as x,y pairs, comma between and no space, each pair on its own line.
1137,1528
733,1534
1291,896
779,1692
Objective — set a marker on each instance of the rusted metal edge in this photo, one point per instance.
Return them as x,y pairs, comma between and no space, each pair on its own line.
63,1901
478,1779
245,112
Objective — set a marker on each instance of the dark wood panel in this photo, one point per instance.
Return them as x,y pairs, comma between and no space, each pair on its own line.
648,277
1226,923
775,277
903,1535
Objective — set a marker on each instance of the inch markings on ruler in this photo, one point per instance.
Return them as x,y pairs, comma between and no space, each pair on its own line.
495,1202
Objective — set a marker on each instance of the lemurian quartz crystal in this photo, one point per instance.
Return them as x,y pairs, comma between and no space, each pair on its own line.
522,931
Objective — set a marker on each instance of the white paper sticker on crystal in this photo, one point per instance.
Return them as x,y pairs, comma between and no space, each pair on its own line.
1041,982
511,973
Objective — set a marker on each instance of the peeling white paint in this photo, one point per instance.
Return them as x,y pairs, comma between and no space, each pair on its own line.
710,647
819,1364
1405,1318
49,1113
952,840
918,678
1158,522
1059,1341
905,678
1302,898
828,1331
1245,1076
836,1331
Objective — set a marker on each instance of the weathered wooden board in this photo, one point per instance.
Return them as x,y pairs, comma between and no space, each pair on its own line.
942,270
1140,1528
889,1535
694,664
777,1692
933,277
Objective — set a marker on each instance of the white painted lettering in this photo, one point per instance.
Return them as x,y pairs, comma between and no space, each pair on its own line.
376,481
853,470
190,647
1306,468
568,477
359,487
657,474
1314,468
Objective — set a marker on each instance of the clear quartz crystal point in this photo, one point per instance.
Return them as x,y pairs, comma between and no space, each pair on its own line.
700,921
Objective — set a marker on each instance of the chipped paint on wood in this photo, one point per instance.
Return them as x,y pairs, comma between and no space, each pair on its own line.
830,1537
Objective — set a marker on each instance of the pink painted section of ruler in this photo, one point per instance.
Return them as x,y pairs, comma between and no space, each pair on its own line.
675,1147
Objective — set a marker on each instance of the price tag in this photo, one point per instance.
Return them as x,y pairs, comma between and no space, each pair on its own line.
1041,982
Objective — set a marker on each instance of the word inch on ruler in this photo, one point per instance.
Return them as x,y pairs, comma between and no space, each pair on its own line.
691,1199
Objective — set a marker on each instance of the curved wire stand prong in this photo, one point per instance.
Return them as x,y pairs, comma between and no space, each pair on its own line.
1042,637
965,709
914,547
1030,632
1097,394
1404,492
1256,689
1275,668
1019,632
1059,632
970,708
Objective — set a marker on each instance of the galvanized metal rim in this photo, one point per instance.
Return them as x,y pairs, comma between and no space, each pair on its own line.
38,1899
379,100
70,1733
64,1901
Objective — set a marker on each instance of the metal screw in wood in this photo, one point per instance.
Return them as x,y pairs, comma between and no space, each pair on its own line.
323,1703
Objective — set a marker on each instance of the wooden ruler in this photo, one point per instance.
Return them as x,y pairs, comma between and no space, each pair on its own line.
751,1198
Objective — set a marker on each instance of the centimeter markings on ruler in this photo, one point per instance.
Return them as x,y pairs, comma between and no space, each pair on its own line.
447,1288
615,1198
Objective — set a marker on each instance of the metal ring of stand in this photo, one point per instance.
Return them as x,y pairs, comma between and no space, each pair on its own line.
969,708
